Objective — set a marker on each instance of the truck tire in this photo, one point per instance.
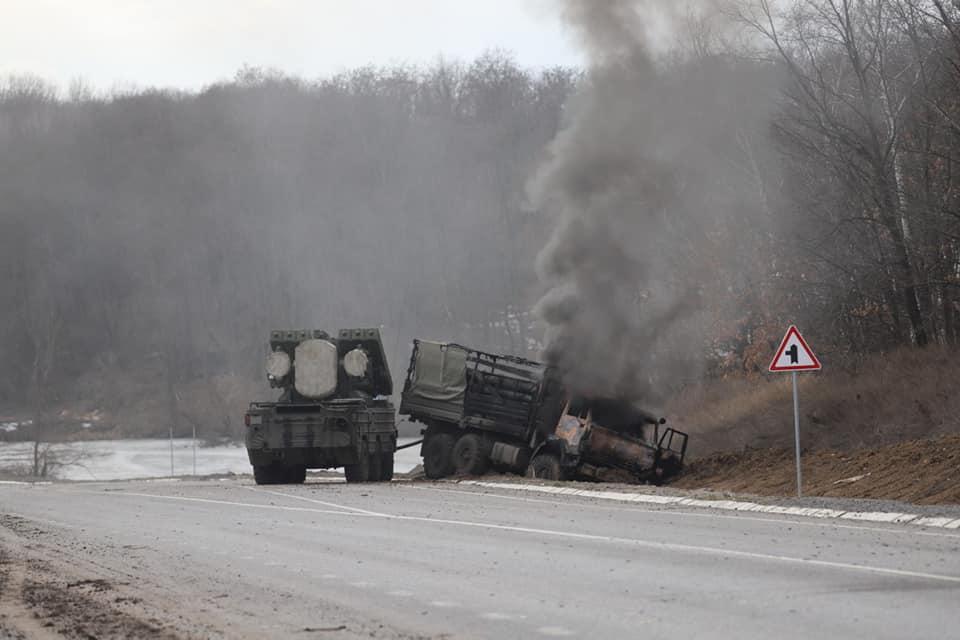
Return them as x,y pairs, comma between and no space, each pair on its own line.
438,455
376,464
546,466
359,472
266,474
386,467
470,455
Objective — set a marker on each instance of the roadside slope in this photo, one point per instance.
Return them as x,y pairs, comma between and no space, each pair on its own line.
919,471
852,404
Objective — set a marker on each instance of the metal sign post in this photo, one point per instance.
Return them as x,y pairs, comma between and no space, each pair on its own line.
795,355
796,435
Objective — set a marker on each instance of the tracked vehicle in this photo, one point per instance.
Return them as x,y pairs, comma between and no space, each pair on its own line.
481,410
333,411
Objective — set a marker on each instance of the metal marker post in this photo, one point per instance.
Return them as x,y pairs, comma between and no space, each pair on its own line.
194,449
793,355
171,452
796,433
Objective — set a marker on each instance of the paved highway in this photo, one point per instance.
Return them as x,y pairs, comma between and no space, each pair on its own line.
444,560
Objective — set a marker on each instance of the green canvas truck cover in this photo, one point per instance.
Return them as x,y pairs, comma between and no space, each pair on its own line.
440,373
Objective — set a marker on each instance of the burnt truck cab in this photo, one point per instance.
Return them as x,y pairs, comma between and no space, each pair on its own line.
334,408
595,436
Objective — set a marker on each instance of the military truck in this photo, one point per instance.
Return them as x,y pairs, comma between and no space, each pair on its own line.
334,409
481,409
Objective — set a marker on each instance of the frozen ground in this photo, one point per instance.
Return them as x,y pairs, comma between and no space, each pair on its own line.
148,458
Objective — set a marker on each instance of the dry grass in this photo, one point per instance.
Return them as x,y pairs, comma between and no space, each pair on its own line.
882,399
920,471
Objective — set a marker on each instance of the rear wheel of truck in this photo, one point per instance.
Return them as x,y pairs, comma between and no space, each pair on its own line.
545,466
438,455
359,472
470,455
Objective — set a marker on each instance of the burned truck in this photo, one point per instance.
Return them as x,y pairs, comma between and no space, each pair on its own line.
484,410
334,409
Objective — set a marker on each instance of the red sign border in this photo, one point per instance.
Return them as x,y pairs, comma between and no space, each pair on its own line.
816,366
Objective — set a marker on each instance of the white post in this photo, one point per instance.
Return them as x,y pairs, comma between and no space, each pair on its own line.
171,451
796,433
194,450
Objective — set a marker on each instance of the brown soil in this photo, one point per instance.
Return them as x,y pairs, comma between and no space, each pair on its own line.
852,404
918,471
40,600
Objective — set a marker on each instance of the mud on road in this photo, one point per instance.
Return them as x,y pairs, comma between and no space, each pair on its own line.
59,580
43,597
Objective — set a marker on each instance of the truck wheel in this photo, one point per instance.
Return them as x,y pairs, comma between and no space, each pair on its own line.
266,474
359,472
470,455
376,460
438,455
545,466
386,467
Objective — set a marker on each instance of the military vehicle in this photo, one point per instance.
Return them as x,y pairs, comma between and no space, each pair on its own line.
481,409
334,409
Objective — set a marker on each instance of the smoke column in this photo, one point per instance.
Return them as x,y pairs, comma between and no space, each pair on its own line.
614,182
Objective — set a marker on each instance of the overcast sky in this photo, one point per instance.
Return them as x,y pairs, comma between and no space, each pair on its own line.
190,43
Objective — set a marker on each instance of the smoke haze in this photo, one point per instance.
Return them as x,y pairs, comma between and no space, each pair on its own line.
634,183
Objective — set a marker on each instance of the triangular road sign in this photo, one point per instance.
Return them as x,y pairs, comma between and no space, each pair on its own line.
793,354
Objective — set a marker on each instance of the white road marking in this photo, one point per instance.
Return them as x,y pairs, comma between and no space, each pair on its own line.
361,584
646,544
673,511
937,522
729,505
446,604
496,615
226,502
305,499
400,593
329,576
557,632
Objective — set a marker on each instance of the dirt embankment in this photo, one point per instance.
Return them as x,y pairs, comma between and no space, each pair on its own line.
919,471
884,426
852,404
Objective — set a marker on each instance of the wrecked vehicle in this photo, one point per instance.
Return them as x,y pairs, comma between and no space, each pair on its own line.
334,409
483,410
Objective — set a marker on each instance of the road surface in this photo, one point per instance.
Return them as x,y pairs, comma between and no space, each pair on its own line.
441,560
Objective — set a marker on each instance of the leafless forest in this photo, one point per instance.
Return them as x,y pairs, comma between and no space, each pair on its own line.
806,170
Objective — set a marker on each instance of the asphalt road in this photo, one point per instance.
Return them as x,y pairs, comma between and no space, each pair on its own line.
228,558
